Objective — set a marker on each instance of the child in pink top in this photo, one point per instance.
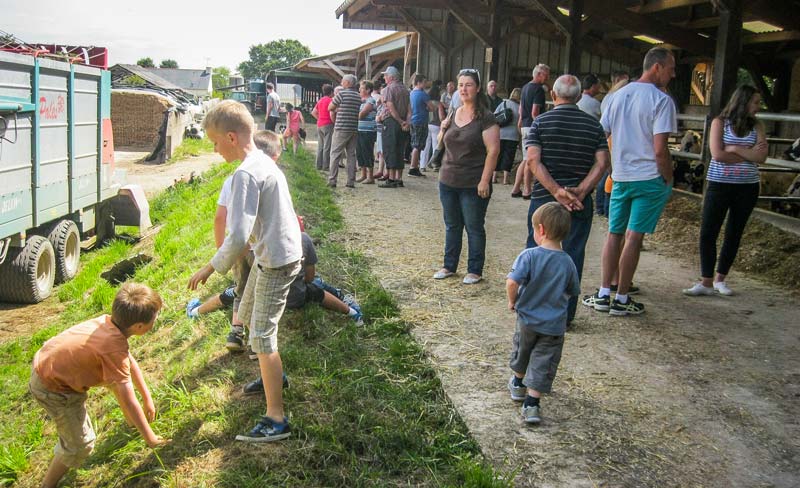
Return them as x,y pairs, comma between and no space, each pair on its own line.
294,118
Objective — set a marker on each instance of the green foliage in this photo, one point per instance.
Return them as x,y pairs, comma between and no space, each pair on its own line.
192,147
134,80
220,78
168,63
276,54
146,63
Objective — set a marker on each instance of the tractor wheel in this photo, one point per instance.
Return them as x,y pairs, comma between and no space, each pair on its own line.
250,107
28,273
66,242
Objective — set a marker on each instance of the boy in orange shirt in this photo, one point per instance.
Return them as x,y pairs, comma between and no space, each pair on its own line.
90,354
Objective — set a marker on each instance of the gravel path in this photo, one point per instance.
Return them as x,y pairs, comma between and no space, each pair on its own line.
696,392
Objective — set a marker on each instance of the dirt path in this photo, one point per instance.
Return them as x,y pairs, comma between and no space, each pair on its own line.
696,392
155,177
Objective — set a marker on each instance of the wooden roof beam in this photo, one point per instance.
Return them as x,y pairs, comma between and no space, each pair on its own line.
772,12
661,5
549,10
611,11
429,36
781,36
466,19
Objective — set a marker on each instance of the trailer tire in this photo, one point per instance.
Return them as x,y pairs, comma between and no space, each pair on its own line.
28,274
250,107
66,241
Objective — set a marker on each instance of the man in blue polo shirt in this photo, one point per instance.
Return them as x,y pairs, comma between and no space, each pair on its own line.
420,107
567,151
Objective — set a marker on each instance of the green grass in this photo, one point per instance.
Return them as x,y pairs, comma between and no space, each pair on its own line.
192,147
365,404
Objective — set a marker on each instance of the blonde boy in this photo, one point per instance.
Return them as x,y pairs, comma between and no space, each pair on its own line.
89,354
260,208
539,286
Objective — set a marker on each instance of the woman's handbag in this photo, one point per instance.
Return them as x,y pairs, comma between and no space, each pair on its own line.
505,116
435,161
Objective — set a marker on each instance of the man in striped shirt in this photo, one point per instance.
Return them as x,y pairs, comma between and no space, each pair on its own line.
345,105
568,152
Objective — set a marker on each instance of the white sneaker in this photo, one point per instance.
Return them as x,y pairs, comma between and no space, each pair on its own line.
471,279
442,274
723,289
698,290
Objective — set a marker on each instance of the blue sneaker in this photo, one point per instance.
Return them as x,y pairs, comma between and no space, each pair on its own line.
267,430
191,306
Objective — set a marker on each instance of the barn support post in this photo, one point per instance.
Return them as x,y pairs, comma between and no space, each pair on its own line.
728,54
572,64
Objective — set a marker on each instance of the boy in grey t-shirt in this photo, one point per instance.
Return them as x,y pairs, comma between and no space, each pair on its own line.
539,286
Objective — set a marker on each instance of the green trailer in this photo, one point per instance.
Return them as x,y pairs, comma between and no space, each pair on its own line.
58,187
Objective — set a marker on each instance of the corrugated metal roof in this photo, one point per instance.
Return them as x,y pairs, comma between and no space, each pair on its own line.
148,76
188,79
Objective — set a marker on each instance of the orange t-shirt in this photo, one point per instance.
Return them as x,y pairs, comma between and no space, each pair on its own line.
86,355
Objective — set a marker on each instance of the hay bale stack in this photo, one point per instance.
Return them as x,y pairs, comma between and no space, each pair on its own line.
137,117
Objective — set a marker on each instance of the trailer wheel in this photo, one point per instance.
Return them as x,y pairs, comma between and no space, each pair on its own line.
250,107
28,274
66,242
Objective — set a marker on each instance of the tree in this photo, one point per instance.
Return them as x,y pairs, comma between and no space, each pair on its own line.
220,77
169,63
276,54
146,63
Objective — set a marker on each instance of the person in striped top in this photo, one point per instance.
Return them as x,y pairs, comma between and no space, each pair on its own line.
345,105
567,151
738,143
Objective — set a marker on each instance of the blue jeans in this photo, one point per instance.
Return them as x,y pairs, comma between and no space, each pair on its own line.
575,243
462,207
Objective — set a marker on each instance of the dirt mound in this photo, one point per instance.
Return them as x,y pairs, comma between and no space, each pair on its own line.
766,252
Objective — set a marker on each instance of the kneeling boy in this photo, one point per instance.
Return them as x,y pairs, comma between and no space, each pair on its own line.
539,286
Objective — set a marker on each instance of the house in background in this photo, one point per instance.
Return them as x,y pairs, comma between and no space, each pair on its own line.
195,81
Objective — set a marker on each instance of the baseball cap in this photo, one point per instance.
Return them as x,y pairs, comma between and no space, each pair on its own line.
392,71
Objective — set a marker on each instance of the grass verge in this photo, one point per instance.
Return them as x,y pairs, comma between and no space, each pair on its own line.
366,406
192,147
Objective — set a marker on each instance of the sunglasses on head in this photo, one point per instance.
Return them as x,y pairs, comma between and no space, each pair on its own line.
471,71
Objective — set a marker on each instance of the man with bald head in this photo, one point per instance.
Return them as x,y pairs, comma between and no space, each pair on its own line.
345,105
567,151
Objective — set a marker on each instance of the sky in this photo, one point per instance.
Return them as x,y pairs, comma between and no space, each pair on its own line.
195,34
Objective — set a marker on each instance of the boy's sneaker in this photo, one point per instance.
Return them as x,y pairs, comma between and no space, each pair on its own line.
632,290
623,309
698,290
235,341
531,414
595,301
723,289
252,354
414,172
267,430
358,318
349,300
517,392
256,387
191,306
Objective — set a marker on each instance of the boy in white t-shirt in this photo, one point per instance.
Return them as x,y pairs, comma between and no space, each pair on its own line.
270,143
640,118
261,213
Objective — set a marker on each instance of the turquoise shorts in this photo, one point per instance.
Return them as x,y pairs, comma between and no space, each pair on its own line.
637,205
